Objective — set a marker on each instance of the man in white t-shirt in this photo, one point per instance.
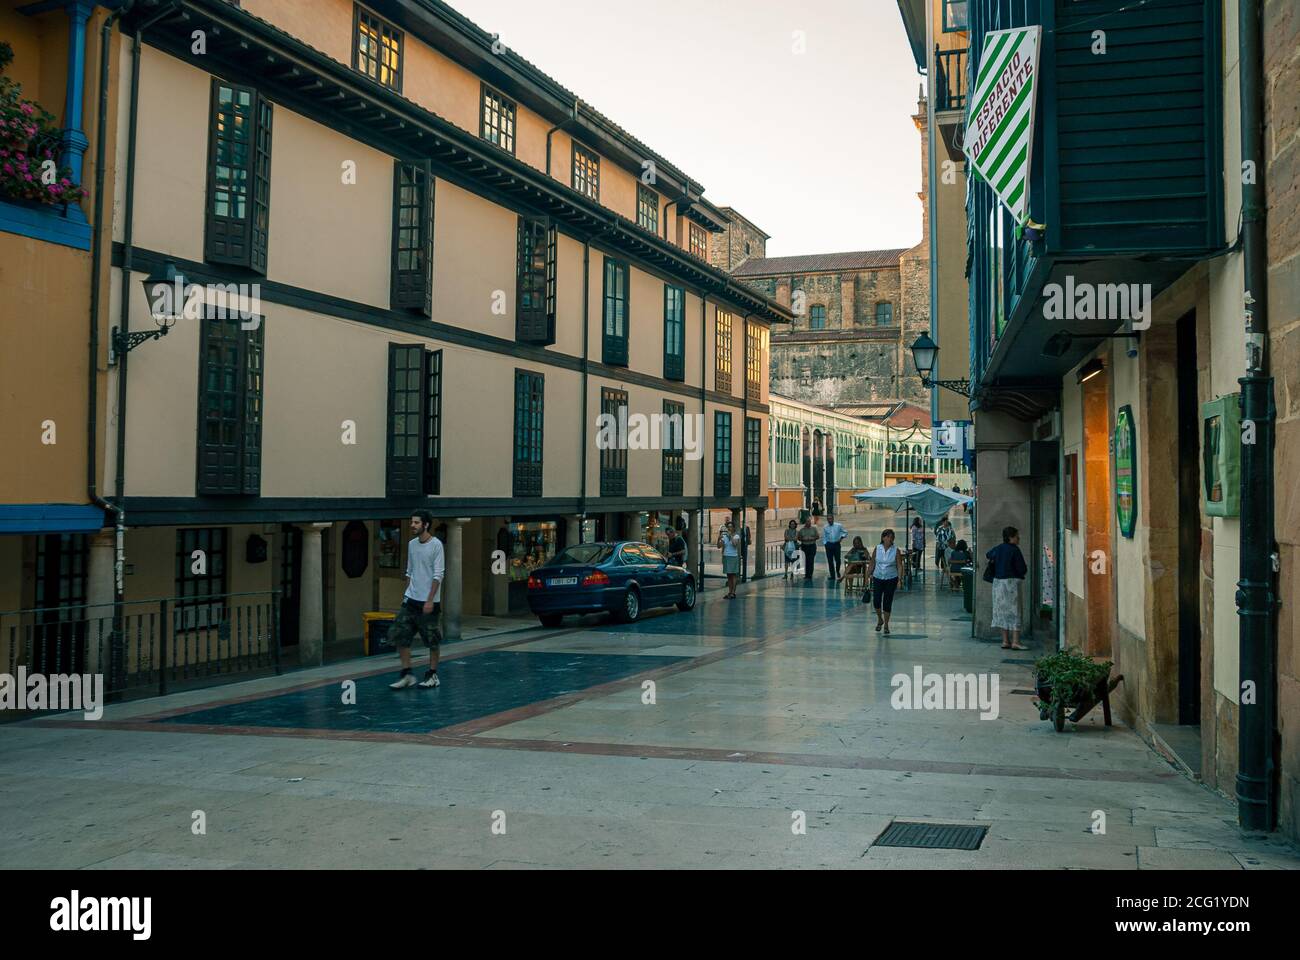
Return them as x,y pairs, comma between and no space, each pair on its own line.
425,566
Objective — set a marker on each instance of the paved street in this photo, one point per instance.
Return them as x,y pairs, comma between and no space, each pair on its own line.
765,706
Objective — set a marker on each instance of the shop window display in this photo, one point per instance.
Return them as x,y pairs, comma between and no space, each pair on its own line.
531,545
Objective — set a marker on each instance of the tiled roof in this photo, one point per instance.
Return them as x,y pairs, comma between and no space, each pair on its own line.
820,263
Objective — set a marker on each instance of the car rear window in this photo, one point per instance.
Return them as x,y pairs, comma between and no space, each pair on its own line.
583,553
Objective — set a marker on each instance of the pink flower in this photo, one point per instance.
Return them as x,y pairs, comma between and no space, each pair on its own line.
27,110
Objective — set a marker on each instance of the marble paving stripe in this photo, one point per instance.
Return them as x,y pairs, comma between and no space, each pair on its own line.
307,685
651,751
528,712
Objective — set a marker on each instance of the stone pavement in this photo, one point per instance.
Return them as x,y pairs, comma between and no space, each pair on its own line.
767,708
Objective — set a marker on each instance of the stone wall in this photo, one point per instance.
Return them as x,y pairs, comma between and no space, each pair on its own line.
727,249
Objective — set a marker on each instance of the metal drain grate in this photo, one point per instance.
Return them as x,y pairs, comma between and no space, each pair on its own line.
932,836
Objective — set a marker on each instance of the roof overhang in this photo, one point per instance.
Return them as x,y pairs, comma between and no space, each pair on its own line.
913,13
243,47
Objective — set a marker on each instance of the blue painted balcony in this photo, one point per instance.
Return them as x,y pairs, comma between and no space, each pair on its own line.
1126,170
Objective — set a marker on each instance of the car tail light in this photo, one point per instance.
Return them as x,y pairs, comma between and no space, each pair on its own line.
534,582
598,579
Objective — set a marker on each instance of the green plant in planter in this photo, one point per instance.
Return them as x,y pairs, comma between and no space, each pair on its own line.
30,142
1072,676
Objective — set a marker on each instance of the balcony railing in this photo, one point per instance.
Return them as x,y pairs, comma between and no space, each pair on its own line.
949,79
155,643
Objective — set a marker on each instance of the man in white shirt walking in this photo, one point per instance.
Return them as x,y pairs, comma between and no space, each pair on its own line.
832,534
425,565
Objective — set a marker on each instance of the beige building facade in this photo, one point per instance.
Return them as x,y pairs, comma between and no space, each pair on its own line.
442,269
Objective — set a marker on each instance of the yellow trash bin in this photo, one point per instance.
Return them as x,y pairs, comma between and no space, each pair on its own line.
375,631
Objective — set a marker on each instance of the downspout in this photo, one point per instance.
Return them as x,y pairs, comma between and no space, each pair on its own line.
98,238
1256,595
744,420
573,115
931,209
699,580
586,336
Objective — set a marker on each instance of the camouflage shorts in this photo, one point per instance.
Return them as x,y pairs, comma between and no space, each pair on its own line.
411,621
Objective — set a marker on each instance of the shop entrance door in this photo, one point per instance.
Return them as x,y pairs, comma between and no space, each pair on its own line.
290,582
59,636
1099,555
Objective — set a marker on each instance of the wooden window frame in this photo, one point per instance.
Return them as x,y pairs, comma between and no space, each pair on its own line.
614,330
673,475
529,432
384,29
647,208
231,397
722,334
813,314
754,337
586,171
674,317
888,313
753,455
198,604
698,240
613,460
721,454
411,286
418,473
535,281
498,119
243,240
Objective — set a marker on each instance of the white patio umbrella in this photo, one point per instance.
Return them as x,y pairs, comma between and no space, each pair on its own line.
931,503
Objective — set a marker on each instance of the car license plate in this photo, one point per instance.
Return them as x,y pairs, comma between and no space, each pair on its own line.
564,582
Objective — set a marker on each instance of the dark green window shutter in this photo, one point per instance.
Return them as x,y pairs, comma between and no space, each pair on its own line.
529,419
674,333
252,427
614,339
237,216
433,422
753,450
674,448
412,266
535,282
230,407
406,434
721,455
613,459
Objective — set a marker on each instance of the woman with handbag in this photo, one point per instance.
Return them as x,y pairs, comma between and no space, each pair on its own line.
1006,571
729,544
790,547
882,571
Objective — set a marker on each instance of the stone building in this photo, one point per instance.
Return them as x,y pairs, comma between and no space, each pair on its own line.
856,313
741,241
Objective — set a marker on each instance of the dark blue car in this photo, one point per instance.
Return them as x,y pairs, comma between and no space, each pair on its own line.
624,578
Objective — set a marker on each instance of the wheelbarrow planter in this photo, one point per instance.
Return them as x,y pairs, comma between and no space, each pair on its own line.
1099,694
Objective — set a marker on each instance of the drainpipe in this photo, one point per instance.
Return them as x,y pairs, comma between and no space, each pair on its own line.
931,209
1256,594
573,115
98,238
586,336
704,417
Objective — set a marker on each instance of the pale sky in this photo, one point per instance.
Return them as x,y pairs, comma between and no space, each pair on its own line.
818,149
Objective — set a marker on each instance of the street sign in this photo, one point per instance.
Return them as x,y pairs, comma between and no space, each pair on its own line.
948,440
1000,125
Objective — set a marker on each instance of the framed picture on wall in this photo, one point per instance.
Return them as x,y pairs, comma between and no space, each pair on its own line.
1072,491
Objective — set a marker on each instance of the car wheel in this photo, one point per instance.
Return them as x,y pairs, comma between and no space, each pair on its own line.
551,619
687,602
630,609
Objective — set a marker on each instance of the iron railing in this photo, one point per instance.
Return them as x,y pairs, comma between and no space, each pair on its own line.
142,646
949,79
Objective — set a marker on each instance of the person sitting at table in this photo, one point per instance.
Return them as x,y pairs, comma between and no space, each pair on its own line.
856,559
958,557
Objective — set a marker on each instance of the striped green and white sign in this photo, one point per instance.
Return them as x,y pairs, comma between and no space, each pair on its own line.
1000,125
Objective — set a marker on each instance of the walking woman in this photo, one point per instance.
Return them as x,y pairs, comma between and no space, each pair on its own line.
1009,571
729,542
882,568
790,546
